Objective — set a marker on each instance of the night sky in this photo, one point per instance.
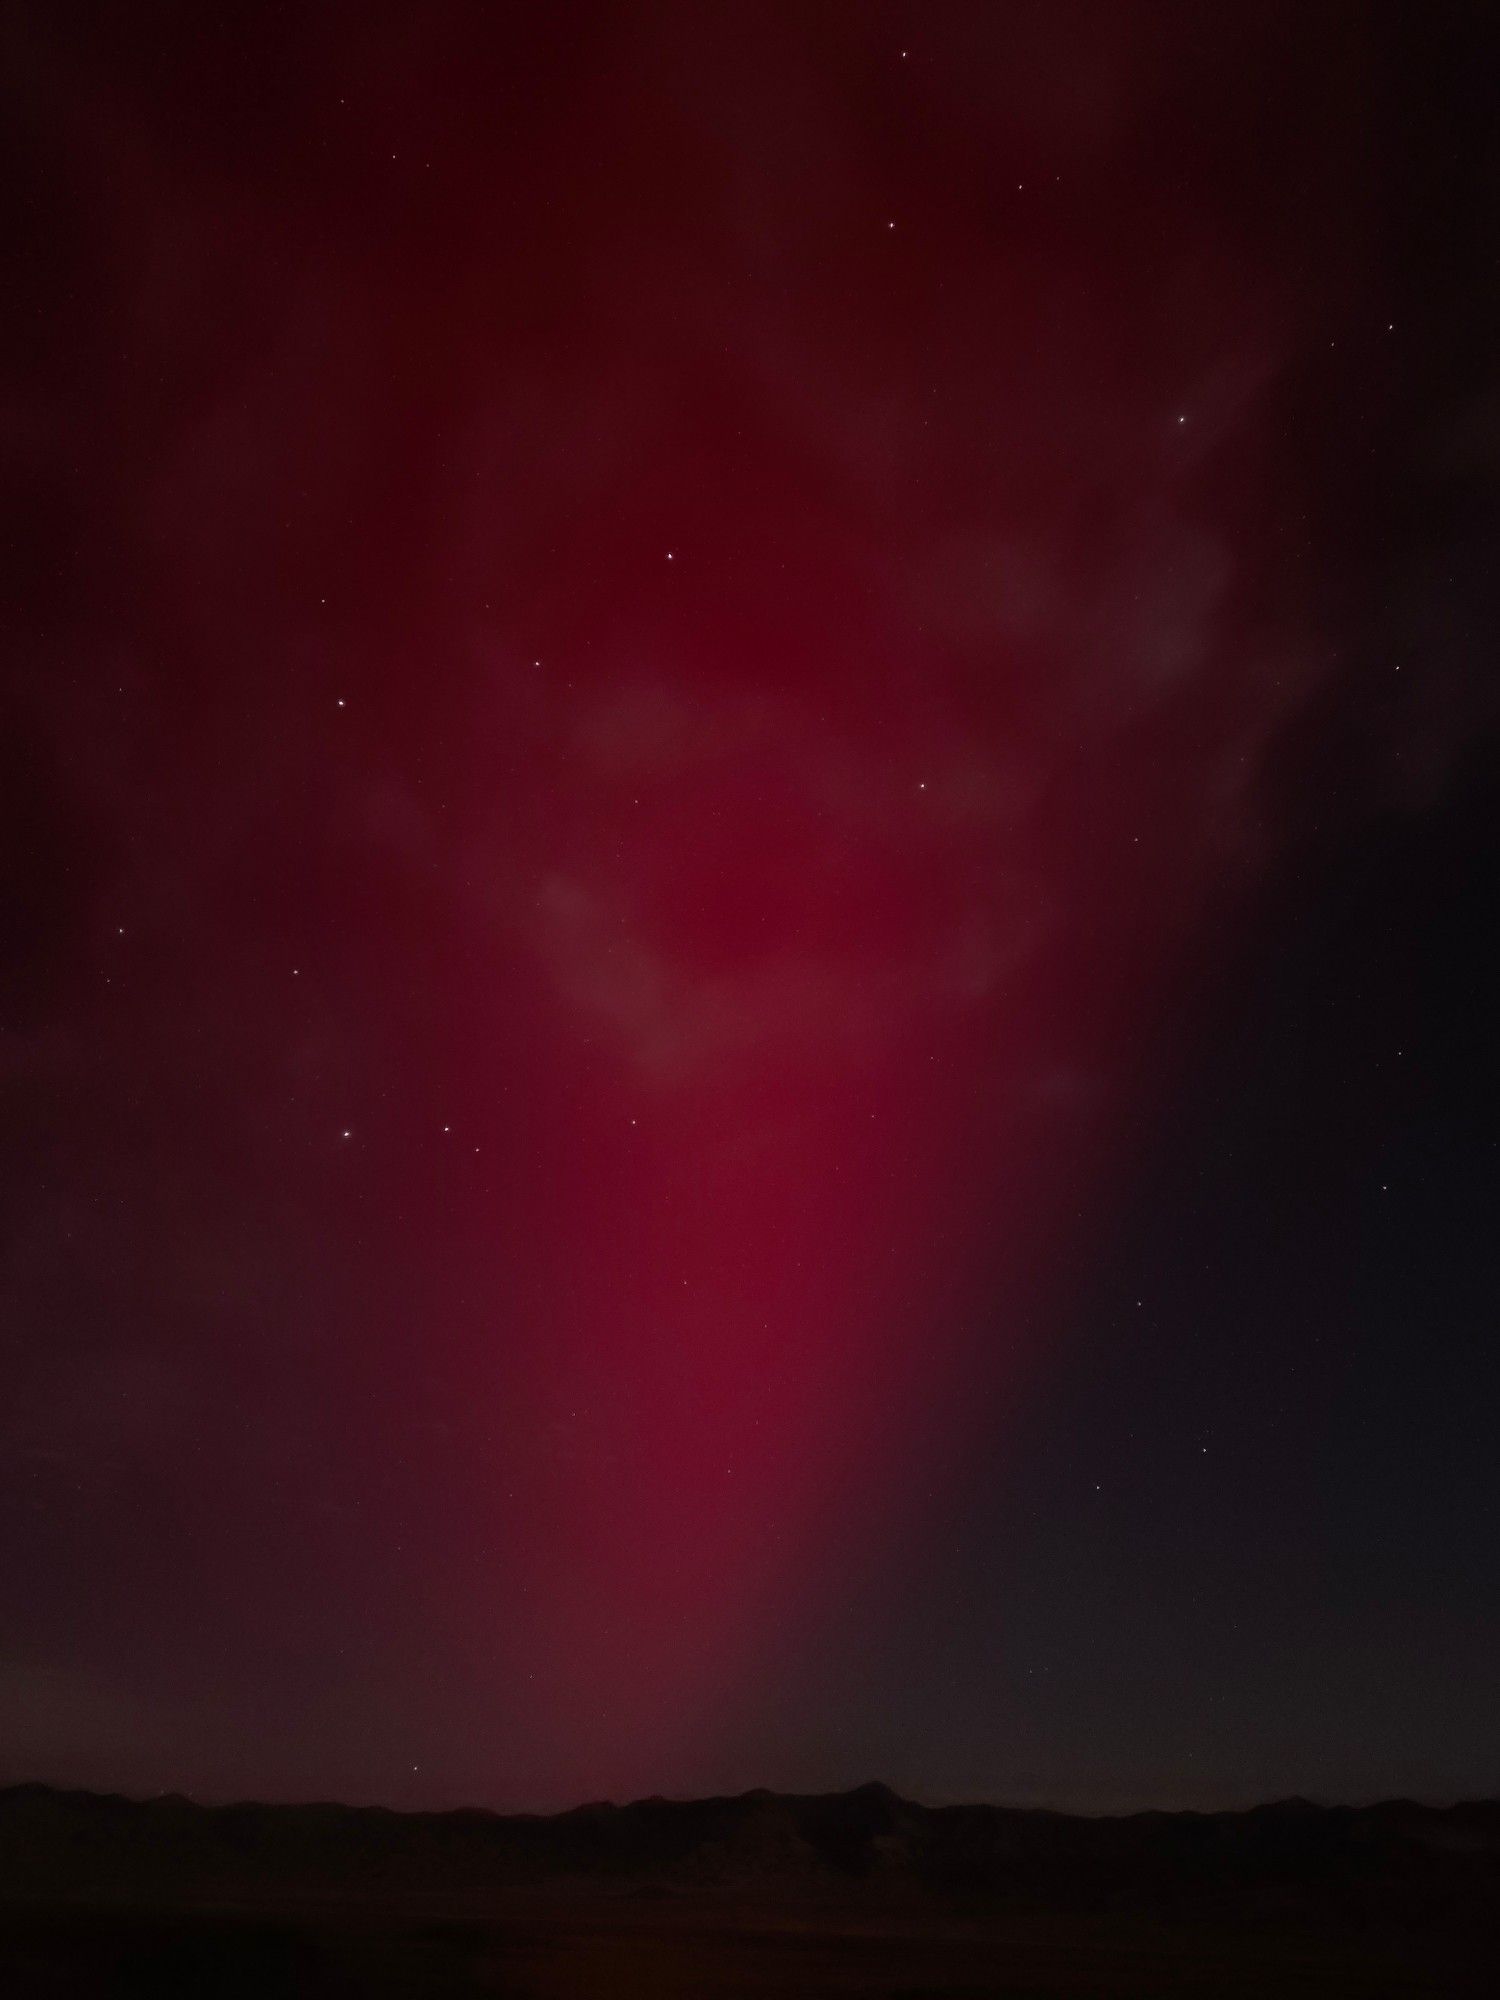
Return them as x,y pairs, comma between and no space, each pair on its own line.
750,868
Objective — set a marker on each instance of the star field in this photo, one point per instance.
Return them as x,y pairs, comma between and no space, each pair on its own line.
750,855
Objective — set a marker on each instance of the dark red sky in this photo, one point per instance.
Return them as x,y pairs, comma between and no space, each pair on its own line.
749,850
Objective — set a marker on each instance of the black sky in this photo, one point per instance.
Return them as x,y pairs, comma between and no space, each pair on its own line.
1008,920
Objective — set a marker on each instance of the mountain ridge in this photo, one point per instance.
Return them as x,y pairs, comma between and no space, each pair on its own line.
56,1840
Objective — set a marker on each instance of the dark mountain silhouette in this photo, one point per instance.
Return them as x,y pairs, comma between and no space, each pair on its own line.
51,1839
1400,1885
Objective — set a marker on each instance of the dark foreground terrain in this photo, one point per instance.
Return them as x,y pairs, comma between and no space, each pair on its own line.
860,1892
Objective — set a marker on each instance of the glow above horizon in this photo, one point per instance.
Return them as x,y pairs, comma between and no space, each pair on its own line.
678,633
